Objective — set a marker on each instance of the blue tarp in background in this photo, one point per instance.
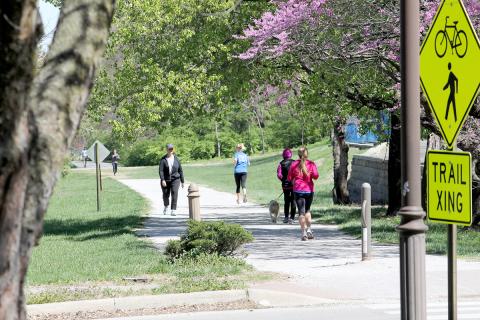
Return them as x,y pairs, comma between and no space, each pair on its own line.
353,135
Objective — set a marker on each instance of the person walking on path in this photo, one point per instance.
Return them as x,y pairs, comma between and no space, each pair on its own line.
171,176
287,186
302,173
84,156
241,163
115,158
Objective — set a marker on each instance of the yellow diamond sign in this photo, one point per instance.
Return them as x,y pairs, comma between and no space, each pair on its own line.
450,68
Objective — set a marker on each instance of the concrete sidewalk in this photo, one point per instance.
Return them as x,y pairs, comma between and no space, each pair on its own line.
328,267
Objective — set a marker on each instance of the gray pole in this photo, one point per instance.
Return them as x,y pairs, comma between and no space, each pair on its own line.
96,174
412,228
366,221
452,272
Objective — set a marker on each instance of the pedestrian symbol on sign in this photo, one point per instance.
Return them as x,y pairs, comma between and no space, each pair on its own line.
453,84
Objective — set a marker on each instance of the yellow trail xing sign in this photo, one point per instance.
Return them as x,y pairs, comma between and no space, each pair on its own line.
449,187
450,67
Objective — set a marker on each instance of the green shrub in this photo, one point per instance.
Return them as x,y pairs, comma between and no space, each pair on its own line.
149,152
67,165
173,248
203,150
209,238
144,153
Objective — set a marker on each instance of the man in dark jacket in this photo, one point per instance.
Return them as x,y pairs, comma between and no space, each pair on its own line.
171,176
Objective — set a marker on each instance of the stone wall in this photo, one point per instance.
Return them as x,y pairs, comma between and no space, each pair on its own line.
372,167
372,170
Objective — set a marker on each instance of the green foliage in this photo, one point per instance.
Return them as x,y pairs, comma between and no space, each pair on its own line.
203,150
170,60
209,238
67,165
144,153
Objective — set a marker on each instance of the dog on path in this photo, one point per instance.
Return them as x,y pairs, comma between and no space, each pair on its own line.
273,208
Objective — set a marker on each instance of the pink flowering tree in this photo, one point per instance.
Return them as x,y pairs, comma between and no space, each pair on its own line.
363,42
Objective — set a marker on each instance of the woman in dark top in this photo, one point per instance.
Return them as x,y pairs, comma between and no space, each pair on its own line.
287,186
115,158
171,176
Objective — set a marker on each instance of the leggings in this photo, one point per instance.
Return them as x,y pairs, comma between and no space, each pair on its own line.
171,188
115,167
241,179
304,201
289,203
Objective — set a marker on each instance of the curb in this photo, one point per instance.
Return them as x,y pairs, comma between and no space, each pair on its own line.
266,298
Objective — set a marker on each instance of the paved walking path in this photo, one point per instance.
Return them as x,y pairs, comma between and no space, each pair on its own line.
327,267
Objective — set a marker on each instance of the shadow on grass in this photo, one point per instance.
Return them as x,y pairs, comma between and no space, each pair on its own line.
348,218
84,230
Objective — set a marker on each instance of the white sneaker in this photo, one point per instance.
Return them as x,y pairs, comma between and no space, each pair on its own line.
172,213
165,210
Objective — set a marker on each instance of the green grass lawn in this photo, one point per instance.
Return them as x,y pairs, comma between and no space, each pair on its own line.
263,186
83,247
383,230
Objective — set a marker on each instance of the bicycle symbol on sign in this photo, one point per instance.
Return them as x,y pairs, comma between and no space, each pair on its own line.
457,42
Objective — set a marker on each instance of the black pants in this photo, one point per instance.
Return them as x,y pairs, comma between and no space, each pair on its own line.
304,201
171,188
115,167
241,179
289,203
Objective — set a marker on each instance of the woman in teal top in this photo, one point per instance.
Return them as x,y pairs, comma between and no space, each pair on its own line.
241,163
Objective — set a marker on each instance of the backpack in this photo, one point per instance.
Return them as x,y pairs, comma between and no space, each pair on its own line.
285,165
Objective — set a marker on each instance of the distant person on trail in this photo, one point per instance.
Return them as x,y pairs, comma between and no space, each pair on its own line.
84,156
241,163
115,158
287,186
171,176
302,173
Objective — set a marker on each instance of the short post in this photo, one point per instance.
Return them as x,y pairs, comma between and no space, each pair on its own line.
194,202
366,221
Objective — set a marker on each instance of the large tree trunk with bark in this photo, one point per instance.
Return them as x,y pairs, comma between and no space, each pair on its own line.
394,167
469,141
39,115
340,193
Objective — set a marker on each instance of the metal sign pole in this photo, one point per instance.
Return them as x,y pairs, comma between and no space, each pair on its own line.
97,176
412,228
100,174
452,272
452,267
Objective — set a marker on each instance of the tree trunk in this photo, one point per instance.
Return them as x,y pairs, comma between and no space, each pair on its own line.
340,193
303,131
394,167
261,125
218,140
475,192
434,142
38,120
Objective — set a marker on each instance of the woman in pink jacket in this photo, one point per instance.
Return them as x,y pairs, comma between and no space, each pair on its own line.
302,173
